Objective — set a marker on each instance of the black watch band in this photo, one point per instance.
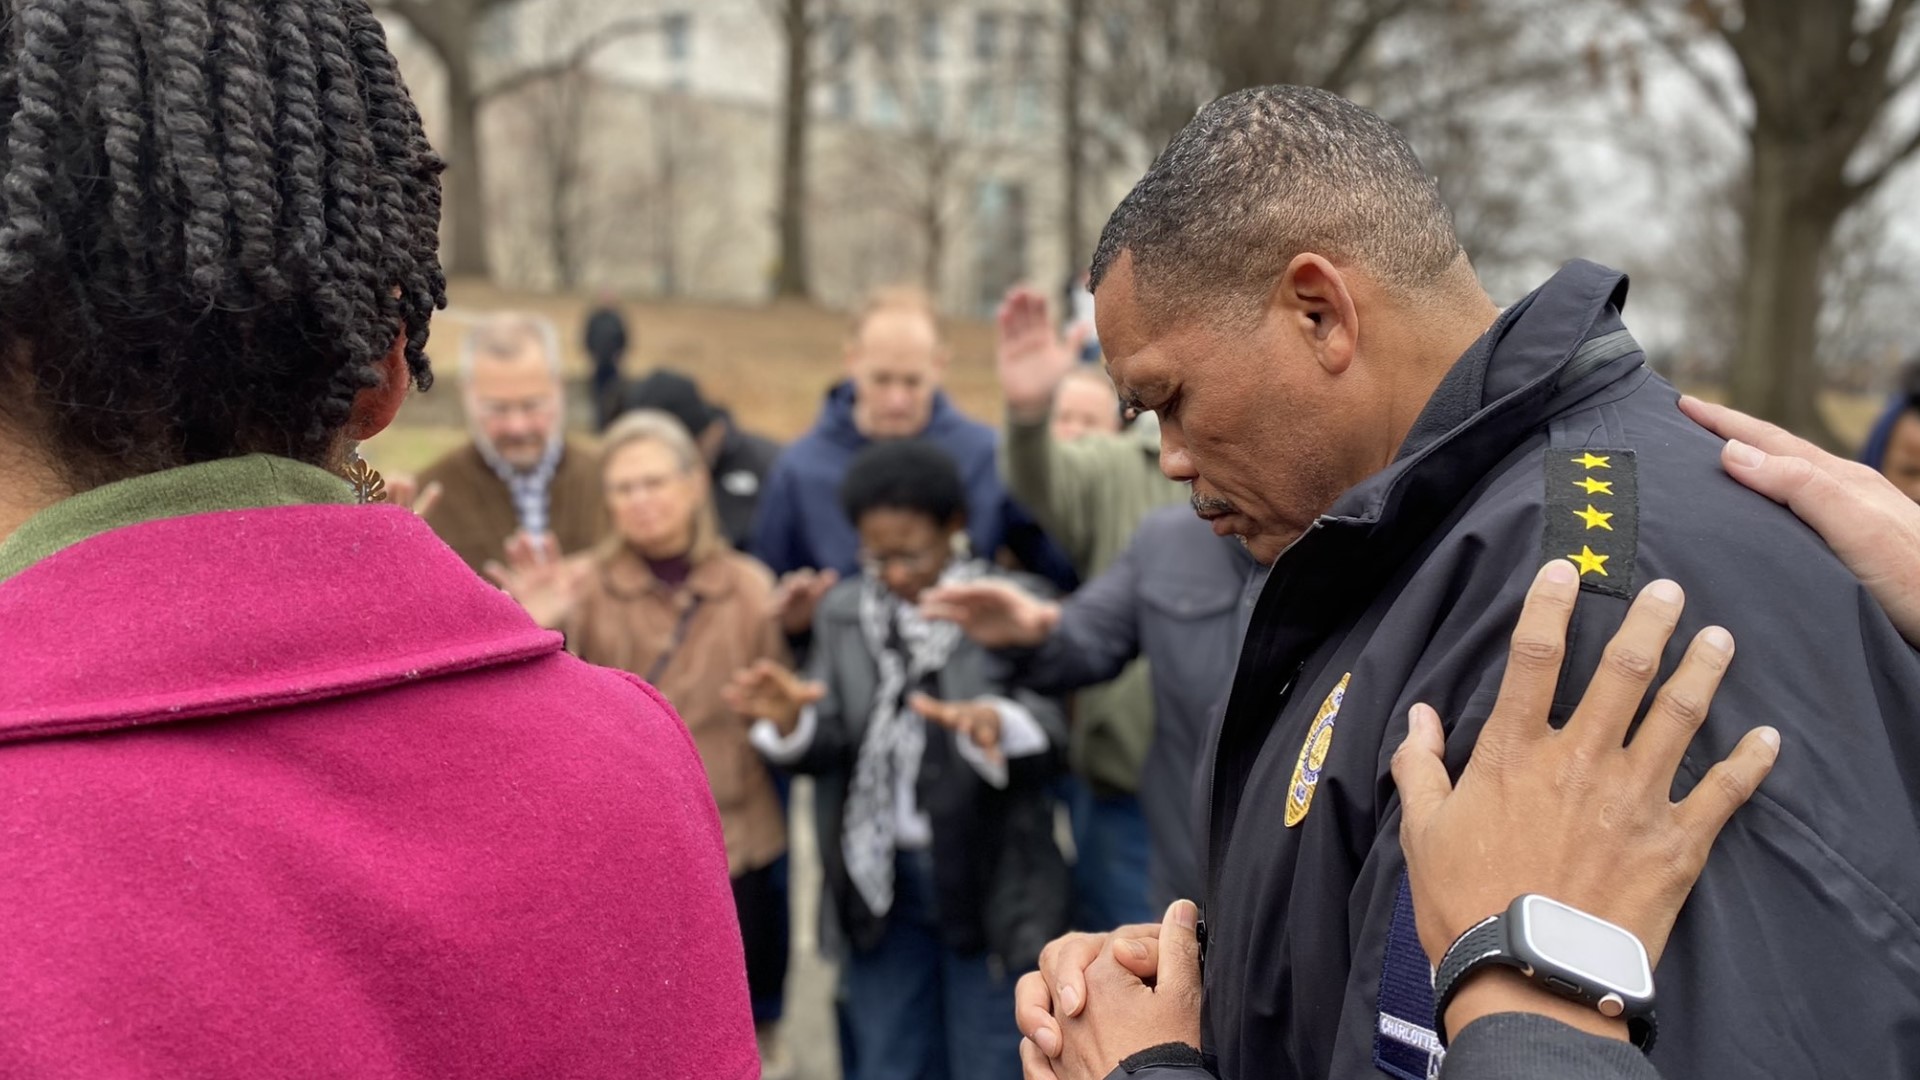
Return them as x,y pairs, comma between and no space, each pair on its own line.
1485,945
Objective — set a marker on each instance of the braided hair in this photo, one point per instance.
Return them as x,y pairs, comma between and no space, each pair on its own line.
216,218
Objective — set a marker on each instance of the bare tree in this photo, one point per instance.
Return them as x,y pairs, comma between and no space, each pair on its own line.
947,105
801,25
1817,98
452,30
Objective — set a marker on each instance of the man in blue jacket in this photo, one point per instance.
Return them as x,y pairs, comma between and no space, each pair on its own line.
896,359
1285,290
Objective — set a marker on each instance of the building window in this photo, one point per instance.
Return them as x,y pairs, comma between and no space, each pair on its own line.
886,38
843,100
982,105
933,103
1026,47
930,36
886,106
676,27
839,38
986,36
1026,105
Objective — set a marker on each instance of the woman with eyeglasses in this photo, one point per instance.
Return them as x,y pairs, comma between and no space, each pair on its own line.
667,599
936,831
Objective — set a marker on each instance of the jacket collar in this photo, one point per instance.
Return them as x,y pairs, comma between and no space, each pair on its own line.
230,484
627,576
836,418
232,611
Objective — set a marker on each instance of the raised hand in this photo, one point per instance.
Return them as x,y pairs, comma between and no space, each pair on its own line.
1032,357
977,720
798,595
768,691
405,491
995,614
539,579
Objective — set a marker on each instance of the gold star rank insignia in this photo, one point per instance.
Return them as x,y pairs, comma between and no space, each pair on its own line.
1313,754
1589,563
1592,515
1594,518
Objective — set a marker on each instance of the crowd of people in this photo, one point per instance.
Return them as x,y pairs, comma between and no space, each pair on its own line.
494,779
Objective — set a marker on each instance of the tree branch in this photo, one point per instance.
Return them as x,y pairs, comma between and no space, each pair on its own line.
1861,188
1674,44
581,55
430,23
1341,71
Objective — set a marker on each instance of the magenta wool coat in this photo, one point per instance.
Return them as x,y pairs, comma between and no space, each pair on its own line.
291,792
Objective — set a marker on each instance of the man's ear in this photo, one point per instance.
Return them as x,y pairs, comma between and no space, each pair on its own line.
1315,297
375,407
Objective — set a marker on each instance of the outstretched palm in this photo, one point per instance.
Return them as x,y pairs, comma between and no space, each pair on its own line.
1033,359
539,579
768,691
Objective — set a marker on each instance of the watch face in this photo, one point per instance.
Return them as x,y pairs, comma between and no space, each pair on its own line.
1602,955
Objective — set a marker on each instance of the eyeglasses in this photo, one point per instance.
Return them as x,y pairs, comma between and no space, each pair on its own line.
925,562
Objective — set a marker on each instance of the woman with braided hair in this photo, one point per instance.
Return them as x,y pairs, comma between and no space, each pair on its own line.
284,788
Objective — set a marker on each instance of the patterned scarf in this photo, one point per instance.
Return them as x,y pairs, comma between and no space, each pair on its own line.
906,648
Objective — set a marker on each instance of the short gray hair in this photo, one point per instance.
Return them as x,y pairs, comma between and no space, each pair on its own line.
1264,175
507,335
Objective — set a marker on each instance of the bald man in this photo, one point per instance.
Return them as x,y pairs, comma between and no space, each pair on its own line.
896,357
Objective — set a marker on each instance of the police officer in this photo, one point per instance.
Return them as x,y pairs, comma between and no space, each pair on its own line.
1285,290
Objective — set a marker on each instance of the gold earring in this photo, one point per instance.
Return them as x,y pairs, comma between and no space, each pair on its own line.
368,485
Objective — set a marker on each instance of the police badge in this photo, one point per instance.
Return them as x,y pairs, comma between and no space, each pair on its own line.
1313,754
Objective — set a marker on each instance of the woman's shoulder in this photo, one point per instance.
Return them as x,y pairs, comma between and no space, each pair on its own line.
746,571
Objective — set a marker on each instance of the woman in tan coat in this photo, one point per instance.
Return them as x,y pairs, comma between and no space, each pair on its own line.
667,599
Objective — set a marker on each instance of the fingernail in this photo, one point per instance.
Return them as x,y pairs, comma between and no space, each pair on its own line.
1560,572
1184,914
1771,737
1741,454
1047,1041
1069,1000
1666,592
1420,720
1716,639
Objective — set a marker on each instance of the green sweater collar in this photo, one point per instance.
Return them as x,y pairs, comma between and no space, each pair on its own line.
244,483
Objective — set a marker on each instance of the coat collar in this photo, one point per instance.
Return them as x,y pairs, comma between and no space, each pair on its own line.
627,576
233,611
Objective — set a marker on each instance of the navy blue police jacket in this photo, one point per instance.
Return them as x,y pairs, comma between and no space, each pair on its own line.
1798,954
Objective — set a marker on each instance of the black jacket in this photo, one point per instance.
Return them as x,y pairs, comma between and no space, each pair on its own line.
1001,882
738,475
1177,595
1798,955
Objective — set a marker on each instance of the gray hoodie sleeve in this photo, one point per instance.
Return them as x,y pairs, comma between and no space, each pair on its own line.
1526,1046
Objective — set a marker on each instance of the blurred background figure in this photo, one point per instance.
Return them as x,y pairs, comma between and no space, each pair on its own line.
665,598
520,474
1089,485
738,461
607,343
1177,598
1893,446
942,880
1084,404
896,359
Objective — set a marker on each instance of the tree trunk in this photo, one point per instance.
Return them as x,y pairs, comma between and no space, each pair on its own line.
793,279
465,193
1789,224
1073,130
